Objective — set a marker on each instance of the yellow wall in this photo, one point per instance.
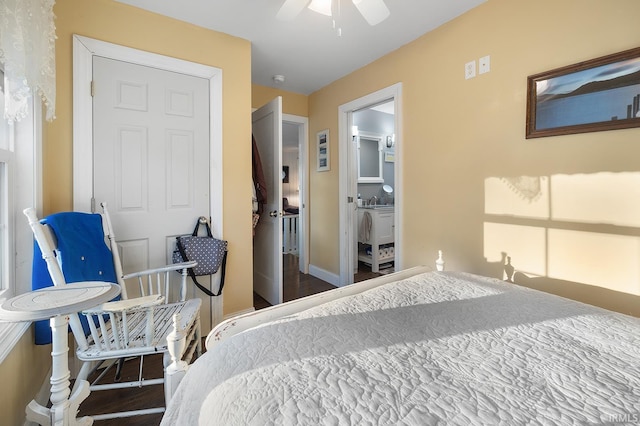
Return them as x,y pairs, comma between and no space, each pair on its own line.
22,372
459,135
121,24
292,103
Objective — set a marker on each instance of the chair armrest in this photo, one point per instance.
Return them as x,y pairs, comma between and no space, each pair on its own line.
127,305
172,267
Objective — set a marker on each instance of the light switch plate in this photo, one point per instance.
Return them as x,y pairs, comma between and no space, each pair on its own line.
484,64
469,70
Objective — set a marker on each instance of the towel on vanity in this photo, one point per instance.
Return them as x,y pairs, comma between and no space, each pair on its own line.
365,227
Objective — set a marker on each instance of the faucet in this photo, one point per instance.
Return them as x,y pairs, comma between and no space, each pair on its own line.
373,200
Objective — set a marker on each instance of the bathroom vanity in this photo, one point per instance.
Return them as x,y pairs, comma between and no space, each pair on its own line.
376,236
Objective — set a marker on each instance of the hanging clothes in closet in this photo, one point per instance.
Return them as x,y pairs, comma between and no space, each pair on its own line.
259,184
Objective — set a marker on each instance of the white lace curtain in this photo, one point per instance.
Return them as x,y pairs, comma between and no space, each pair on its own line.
28,54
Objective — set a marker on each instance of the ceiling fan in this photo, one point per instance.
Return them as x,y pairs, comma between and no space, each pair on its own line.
373,11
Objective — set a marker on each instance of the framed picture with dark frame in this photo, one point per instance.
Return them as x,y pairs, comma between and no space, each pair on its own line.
323,151
591,96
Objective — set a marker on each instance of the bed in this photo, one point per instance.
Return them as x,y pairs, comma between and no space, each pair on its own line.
417,347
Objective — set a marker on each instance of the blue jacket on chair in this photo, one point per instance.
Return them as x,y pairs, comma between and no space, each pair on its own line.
84,256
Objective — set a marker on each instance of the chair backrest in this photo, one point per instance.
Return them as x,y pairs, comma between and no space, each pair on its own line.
110,239
156,281
83,264
95,229
145,282
73,247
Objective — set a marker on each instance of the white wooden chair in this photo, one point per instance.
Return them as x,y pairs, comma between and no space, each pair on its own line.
134,327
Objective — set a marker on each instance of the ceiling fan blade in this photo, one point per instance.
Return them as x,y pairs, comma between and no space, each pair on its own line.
373,11
291,8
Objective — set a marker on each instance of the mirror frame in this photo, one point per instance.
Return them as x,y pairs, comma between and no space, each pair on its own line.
375,137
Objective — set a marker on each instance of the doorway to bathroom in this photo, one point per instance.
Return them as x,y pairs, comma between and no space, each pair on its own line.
370,136
373,131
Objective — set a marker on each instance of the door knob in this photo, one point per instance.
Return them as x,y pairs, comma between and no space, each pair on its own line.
273,213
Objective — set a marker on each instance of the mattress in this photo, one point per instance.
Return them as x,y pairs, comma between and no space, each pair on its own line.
437,348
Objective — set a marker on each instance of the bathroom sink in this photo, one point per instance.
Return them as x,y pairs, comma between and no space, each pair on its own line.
378,206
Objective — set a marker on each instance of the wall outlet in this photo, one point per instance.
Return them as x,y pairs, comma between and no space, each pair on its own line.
484,64
469,70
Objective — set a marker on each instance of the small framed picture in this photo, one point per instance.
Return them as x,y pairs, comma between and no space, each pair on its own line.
323,151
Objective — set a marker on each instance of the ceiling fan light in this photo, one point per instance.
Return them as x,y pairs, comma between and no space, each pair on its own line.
321,6
373,11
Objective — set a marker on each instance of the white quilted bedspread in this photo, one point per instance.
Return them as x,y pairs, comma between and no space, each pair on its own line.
438,348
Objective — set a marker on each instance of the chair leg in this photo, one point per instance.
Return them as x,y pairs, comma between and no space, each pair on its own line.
85,371
119,365
198,337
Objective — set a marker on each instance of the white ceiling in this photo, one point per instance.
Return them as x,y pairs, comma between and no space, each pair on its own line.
307,51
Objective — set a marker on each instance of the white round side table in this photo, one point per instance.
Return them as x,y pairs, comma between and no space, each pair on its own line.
55,304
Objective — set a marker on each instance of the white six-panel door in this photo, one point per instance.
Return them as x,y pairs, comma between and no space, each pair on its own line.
151,158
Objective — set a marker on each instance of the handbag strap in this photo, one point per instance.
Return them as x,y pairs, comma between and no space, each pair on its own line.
223,268
202,221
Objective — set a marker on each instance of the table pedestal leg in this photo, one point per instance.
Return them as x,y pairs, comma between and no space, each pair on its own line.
63,409
60,371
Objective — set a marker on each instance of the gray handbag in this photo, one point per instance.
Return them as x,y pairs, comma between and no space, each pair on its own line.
208,251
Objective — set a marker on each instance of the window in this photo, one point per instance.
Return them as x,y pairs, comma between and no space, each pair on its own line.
20,177
6,201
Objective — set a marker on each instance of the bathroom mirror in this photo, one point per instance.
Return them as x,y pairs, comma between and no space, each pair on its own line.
369,158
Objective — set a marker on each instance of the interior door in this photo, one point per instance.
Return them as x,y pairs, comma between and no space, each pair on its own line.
151,159
267,242
348,177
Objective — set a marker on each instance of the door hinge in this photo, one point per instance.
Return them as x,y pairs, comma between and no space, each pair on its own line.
92,89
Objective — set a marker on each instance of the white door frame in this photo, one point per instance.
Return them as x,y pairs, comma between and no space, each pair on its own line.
348,178
83,51
303,154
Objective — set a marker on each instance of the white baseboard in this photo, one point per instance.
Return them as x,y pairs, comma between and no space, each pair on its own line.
325,275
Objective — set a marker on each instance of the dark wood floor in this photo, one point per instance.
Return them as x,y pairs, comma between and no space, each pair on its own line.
296,285
128,399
